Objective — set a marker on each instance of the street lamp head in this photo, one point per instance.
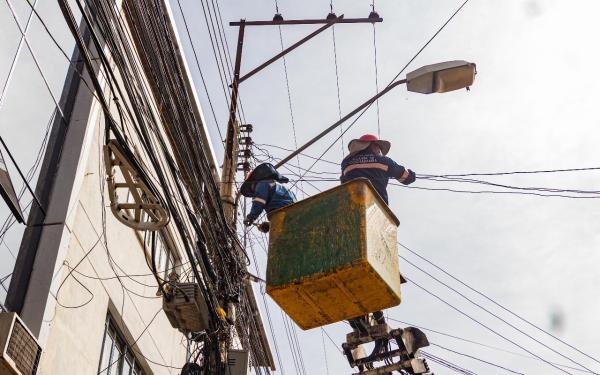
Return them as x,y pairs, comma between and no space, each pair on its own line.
441,77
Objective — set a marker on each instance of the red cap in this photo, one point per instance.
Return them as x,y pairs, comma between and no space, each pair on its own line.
368,138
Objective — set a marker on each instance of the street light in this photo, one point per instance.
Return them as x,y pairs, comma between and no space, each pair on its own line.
440,78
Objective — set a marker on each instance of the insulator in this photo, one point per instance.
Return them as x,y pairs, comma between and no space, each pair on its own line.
245,153
245,166
246,128
331,16
374,15
277,17
247,141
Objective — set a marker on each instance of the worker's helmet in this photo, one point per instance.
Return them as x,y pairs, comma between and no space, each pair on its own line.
365,141
264,171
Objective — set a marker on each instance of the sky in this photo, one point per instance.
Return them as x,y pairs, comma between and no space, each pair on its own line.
532,107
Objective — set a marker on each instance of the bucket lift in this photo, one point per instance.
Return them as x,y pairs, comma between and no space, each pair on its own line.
403,359
334,256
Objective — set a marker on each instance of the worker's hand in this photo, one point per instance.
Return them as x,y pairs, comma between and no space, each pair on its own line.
410,179
264,227
247,221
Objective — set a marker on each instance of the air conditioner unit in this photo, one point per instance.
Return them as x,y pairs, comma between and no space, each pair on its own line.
186,309
19,350
237,362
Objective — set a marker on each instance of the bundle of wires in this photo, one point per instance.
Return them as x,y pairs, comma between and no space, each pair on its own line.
139,61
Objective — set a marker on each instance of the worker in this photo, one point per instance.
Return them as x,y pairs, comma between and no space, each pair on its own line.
367,159
264,186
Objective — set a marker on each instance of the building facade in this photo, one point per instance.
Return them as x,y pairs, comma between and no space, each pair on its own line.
90,278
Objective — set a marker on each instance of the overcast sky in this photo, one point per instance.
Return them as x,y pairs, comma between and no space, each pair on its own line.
533,107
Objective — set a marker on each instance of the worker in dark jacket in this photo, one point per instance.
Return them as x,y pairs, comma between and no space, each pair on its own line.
367,159
264,186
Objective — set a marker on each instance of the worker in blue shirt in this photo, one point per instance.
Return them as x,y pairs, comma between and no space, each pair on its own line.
264,186
367,159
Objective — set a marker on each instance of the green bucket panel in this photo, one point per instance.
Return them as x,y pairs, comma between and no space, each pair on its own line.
318,235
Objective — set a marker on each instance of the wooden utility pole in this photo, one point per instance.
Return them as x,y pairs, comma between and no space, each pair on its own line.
230,159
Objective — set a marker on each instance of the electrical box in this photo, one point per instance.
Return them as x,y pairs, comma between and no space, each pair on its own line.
334,256
187,309
237,362
19,350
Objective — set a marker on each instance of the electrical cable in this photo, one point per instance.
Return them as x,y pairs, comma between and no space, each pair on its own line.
212,109
337,78
477,359
481,344
35,60
289,97
446,363
325,353
493,314
391,82
484,326
497,303
376,69
13,63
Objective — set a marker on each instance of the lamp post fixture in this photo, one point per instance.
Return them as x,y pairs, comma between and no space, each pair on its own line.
436,78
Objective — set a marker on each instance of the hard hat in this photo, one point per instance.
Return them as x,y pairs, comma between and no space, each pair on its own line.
365,141
264,171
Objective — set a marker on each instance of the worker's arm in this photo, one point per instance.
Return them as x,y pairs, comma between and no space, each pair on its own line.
395,170
259,201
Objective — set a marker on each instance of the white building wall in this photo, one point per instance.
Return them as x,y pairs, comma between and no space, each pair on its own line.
74,333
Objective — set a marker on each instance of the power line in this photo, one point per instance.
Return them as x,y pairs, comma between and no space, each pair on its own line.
445,334
493,314
478,359
289,96
376,69
484,326
495,192
390,83
518,172
446,363
212,109
35,60
325,353
13,63
497,303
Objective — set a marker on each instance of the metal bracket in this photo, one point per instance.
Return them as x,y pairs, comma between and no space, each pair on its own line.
409,341
145,212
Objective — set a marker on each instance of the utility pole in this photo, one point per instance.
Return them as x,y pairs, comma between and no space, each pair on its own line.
230,158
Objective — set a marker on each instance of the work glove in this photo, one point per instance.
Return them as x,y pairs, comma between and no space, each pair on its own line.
248,221
410,179
264,227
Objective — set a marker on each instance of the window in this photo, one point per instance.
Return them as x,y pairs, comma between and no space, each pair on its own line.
117,358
